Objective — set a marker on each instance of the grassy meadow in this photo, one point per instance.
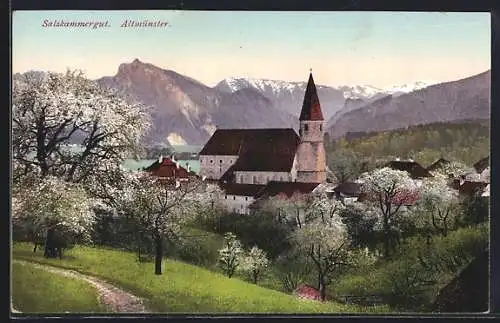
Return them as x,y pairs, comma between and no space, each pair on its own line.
182,288
35,290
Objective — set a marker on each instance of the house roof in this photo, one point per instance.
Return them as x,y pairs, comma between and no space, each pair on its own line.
437,164
481,165
307,291
311,109
167,169
471,188
413,168
287,188
348,188
242,189
258,149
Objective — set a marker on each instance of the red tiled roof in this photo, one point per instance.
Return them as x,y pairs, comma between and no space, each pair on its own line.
167,169
307,291
258,149
311,108
287,189
415,170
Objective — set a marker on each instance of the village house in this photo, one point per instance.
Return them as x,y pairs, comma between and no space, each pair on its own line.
169,170
414,169
251,163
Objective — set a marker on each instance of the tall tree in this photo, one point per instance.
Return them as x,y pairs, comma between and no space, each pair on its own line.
389,190
161,207
346,164
324,239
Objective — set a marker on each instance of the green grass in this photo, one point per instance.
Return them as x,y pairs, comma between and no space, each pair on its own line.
182,287
35,290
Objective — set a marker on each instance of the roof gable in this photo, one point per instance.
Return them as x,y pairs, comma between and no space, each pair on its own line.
415,170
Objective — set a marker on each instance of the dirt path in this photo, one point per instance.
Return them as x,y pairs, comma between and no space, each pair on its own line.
114,298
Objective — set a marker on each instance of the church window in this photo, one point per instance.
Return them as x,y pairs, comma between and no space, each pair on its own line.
255,180
220,161
246,198
234,197
225,197
306,127
320,127
211,161
241,179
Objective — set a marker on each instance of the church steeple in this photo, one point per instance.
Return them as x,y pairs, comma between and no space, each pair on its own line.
311,109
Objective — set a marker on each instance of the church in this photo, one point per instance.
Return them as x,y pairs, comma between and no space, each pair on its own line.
250,164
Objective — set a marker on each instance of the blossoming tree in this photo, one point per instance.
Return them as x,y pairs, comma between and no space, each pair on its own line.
324,239
255,263
162,207
52,110
51,209
438,206
230,254
389,190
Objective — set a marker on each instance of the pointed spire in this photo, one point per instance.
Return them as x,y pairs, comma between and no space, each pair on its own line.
311,109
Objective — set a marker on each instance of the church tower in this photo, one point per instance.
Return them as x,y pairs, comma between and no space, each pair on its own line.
311,159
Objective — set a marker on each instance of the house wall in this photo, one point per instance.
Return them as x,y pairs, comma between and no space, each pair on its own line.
236,203
214,166
244,177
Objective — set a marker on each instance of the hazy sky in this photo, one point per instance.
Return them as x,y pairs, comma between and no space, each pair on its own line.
376,48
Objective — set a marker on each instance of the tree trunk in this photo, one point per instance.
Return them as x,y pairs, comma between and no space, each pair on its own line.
322,288
34,249
255,277
159,254
387,237
50,245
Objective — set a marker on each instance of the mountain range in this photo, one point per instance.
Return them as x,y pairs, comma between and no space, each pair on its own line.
186,111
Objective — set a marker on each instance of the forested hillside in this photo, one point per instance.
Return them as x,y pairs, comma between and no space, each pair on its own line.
467,142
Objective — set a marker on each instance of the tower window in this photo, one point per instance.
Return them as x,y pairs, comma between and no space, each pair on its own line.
220,161
234,197
320,127
211,161
306,127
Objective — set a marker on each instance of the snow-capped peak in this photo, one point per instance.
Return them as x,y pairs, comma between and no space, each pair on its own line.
407,88
276,86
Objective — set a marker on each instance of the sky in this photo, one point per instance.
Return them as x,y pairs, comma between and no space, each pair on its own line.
381,49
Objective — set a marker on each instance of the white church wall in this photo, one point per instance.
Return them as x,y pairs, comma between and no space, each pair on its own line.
214,166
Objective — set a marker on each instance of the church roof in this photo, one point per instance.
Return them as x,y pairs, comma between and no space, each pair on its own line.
242,189
311,109
258,149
